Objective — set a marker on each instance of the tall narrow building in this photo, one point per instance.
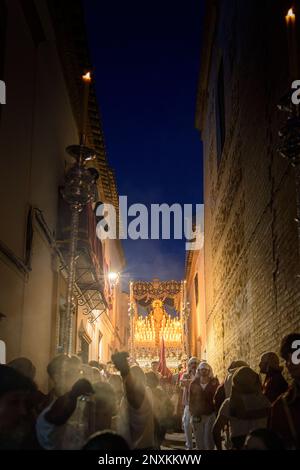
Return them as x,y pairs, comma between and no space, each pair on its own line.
43,55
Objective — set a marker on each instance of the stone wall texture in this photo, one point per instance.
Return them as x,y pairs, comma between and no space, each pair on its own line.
251,242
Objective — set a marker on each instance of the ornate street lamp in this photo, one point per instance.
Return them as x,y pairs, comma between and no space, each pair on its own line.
113,279
79,190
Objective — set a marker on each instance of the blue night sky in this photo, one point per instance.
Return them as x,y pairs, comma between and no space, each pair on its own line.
146,58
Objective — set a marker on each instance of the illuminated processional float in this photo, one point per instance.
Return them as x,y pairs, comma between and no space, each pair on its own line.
147,331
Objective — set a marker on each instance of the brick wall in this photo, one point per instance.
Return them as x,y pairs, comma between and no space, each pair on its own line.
251,244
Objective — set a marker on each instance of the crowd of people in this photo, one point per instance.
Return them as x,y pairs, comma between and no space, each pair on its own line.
121,407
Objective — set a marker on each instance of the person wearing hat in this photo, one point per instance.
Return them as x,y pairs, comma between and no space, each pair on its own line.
201,404
274,384
185,383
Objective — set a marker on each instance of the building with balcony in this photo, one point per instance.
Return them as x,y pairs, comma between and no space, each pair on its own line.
43,54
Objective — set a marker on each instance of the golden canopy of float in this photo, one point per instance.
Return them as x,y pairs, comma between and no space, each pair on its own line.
150,330
147,331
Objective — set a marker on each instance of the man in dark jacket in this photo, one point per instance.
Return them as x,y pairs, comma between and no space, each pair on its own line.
201,405
285,412
274,384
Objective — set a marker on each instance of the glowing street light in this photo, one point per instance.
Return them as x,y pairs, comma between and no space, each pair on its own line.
113,278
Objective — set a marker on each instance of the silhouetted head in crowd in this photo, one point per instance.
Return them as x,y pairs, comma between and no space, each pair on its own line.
15,392
94,364
24,366
246,381
246,390
96,375
247,400
290,352
152,380
236,364
269,362
263,439
204,371
87,372
184,362
154,366
64,371
106,408
192,365
106,441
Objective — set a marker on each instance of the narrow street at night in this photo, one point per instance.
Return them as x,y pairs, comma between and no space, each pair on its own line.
149,231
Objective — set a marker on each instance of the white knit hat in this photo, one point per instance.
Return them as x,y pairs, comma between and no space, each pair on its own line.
193,359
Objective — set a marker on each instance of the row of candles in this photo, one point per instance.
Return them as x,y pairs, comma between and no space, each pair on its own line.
145,337
165,321
145,331
149,323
